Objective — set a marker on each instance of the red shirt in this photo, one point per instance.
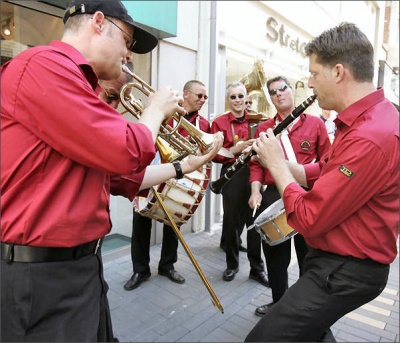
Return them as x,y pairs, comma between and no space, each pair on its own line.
308,137
59,144
229,125
353,208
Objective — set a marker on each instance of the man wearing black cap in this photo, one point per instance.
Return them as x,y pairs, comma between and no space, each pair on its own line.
60,143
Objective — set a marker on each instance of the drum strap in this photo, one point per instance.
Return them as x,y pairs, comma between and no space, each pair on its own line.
287,145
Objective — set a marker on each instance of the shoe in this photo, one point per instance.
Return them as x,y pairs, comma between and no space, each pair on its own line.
260,277
135,281
229,274
262,310
173,275
242,248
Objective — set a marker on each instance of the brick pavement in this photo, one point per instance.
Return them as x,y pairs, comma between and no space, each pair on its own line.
162,311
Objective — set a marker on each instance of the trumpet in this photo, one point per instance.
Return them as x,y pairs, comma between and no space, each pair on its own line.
170,144
217,185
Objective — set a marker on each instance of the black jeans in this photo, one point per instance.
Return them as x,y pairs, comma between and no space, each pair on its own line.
237,214
55,301
331,286
140,245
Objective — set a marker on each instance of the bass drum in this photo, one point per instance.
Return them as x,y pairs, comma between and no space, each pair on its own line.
181,197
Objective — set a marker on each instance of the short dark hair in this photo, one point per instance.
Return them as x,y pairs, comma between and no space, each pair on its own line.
278,78
188,85
347,45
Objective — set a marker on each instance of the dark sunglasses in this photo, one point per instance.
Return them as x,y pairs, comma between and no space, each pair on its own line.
280,88
233,97
200,95
248,102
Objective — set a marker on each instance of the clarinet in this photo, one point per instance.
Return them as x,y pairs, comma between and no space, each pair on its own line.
217,185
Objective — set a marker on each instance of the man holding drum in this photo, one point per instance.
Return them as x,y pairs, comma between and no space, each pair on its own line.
350,216
304,141
194,97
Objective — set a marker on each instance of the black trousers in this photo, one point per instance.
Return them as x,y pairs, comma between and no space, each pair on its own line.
277,257
55,302
140,245
237,213
331,286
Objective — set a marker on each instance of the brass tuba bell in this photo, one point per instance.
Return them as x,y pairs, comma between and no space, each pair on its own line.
256,86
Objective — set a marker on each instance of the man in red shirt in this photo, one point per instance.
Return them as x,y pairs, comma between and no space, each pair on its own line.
306,141
60,143
194,97
235,194
350,215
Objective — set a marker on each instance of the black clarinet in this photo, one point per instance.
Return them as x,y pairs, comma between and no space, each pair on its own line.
217,185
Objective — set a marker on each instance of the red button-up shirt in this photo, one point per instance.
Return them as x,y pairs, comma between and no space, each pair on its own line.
59,144
228,124
308,137
353,208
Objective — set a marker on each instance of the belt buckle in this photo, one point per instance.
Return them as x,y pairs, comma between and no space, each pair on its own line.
97,246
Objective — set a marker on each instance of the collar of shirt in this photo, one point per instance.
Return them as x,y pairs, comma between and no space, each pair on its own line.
233,118
78,59
351,113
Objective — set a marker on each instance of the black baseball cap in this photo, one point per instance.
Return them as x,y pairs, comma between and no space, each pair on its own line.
145,41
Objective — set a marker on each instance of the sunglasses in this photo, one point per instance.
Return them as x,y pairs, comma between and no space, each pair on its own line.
199,95
280,88
248,102
233,97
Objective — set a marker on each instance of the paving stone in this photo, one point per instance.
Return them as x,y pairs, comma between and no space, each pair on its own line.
162,311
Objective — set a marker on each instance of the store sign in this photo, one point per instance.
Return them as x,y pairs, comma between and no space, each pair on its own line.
277,34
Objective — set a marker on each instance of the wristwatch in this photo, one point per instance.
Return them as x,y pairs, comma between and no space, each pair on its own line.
178,169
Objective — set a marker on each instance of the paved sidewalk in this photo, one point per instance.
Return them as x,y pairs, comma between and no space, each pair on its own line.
162,311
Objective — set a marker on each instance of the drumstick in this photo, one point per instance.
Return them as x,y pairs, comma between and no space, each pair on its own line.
255,210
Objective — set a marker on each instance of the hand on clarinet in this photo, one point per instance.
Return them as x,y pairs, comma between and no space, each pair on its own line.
241,146
194,162
268,150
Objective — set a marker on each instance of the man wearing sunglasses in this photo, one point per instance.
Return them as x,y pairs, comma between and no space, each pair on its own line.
194,97
237,213
305,140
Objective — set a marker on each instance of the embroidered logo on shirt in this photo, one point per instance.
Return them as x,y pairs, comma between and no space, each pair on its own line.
345,171
305,145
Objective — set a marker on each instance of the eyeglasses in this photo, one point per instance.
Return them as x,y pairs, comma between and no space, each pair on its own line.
130,43
275,90
233,97
248,102
110,97
199,95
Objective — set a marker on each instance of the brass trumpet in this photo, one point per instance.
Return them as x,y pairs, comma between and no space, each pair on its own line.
177,147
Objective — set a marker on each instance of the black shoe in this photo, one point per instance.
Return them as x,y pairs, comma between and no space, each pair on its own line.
242,248
229,274
327,337
260,277
262,310
135,281
173,275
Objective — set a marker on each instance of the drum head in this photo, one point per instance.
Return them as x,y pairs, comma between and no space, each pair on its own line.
270,213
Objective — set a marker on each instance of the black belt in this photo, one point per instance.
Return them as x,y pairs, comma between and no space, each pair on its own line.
24,253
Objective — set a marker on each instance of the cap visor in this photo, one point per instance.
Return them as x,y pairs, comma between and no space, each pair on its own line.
145,41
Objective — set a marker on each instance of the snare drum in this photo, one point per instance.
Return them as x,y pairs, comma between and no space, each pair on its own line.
181,197
271,224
